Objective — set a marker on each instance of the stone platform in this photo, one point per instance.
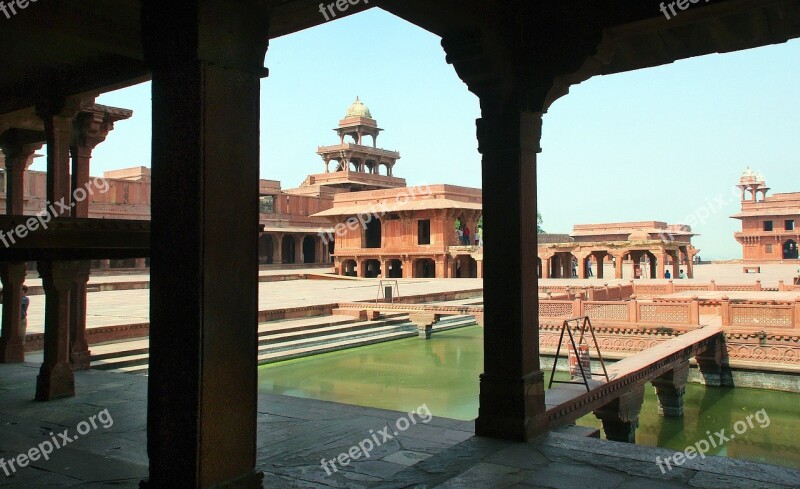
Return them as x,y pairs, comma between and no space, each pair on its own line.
294,435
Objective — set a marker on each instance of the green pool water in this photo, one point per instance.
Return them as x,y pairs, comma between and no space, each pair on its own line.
442,373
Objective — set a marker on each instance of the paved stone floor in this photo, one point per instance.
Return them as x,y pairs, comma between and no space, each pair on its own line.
295,434
132,306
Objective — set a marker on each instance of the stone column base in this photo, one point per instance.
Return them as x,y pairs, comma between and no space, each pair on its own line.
508,407
55,382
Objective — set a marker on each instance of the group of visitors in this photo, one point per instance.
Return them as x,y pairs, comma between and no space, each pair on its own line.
464,235
681,275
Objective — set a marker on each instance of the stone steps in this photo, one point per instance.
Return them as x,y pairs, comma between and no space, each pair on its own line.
287,339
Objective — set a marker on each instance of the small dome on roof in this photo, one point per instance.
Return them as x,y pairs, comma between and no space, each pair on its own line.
749,177
358,109
639,235
760,179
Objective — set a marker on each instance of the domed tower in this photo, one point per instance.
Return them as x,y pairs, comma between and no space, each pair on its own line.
357,166
753,182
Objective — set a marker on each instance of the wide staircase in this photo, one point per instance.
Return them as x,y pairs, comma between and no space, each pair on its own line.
286,339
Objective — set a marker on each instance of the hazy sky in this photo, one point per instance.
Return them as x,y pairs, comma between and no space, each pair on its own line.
666,143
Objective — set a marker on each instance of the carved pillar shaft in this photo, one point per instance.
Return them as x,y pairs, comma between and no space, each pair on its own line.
17,152
298,249
79,346
55,378
512,385
12,341
202,389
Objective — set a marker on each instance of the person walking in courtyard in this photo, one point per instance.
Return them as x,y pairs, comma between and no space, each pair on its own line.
460,234
589,267
479,232
23,321
466,235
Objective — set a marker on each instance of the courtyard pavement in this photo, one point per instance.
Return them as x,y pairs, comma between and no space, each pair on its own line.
295,434
132,306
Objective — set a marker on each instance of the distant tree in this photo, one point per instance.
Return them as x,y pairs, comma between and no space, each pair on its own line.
539,222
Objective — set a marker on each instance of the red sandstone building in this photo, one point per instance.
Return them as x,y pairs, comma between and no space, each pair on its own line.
406,232
769,223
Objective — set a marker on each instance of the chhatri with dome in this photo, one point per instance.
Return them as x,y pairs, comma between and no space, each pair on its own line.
770,230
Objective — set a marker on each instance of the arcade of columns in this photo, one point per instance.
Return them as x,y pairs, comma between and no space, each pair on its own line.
72,129
556,261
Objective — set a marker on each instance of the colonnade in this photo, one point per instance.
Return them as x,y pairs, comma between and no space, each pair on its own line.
577,263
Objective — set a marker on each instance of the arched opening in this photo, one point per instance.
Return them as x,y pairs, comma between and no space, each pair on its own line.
265,249
349,268
309,250
395,269
424,268
288,249
790,250
331,249
372,268
126,263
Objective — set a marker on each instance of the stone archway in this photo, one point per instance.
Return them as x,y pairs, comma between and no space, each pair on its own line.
309,250
266,249
790,250
395,269
349,268
424,268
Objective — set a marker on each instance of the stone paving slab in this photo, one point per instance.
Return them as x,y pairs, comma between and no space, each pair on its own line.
295,434
133,306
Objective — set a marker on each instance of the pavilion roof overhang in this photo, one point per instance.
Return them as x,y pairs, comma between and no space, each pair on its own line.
642,245
87,47
768,213
396,206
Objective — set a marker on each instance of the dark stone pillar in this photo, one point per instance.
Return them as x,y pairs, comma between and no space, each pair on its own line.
709,363
55,378
620,417
670,388
89,130
207,60
277,249
17,149
12,343
79,347
512,385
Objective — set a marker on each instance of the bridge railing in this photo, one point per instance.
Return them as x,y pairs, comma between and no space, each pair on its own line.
675,312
